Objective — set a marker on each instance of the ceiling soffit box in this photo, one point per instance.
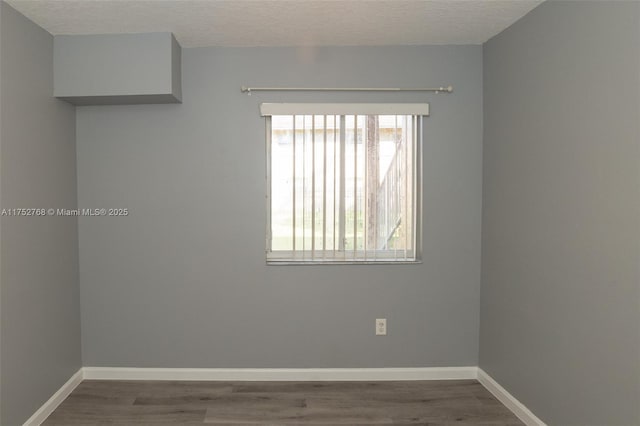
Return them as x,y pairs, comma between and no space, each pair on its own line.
117,69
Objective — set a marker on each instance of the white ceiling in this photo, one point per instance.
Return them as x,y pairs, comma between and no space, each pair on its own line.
198,23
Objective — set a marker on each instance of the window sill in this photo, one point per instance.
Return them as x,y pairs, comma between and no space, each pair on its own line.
339,263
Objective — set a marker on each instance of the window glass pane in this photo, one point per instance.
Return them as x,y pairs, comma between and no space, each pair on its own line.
342,193
282,183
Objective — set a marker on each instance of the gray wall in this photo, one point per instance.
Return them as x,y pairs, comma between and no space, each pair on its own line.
182,281
560,313
1,13
39,311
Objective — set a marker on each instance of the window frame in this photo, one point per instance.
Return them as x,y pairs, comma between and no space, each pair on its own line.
299,257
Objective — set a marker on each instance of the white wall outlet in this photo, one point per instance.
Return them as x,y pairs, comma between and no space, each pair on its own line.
381,326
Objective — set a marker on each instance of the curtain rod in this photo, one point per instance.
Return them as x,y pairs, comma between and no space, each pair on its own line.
248,90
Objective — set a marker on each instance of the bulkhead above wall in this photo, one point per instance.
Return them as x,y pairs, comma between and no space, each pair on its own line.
113,69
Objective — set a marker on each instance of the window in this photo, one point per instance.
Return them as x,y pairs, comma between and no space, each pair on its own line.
343,182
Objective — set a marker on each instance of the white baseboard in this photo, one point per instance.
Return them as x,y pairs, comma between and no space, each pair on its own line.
281,374
522,412
52,403
286,374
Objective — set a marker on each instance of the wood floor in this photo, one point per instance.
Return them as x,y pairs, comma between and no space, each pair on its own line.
451,402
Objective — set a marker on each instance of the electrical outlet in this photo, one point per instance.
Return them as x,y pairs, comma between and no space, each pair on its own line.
381,326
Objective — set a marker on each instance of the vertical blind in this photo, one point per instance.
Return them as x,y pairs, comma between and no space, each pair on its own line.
343,182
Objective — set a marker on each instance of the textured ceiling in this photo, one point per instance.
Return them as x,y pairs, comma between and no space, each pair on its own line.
197,23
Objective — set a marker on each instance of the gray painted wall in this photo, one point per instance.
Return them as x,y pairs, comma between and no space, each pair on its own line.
1,9
560,313
182,281
39,311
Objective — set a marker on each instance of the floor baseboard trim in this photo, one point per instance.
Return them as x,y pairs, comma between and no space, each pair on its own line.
286,374
281,374
516,407
56,399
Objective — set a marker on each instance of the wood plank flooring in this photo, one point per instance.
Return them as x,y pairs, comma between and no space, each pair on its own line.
450,402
